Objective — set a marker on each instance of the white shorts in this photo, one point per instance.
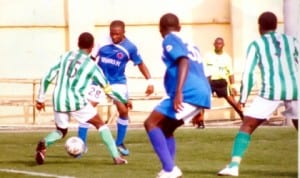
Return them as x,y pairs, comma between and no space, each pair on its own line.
96,94
262,108
83,115
188,112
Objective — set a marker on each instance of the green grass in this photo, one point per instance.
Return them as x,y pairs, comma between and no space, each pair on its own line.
200,154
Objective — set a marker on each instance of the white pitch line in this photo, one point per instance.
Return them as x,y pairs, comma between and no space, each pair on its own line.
33,173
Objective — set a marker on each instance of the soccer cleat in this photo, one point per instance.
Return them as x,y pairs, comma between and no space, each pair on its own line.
119,161
40,152
123,150
229,171
200,125
175,173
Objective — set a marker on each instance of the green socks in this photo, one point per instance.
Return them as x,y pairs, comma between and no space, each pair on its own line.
52,137
240,145
109,141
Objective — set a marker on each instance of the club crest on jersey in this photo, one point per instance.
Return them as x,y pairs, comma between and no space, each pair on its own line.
169,48
120,55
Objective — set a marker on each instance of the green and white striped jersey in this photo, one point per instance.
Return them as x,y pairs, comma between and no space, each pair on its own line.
74,72
277,57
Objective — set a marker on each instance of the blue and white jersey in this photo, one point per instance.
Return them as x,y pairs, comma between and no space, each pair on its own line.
113,59
196,89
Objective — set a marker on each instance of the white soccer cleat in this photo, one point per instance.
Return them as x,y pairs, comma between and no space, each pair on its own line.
120,161
229,171
175,173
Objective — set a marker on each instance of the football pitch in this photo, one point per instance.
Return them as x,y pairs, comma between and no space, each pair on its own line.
200,154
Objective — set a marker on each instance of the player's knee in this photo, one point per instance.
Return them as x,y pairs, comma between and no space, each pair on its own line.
63,131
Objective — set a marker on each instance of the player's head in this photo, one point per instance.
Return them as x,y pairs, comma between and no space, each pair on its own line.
167,23
267,21
86,41
219,44
117,31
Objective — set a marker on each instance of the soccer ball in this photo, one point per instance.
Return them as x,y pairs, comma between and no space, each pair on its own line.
74,146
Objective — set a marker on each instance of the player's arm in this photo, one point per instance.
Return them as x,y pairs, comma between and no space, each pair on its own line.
101,80
231,84
44,84
144,70
248,79
183,67
95,52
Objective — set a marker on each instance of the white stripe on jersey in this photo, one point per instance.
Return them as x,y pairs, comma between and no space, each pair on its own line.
276,55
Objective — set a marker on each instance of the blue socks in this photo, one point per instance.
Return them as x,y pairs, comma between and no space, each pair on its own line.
171,142
83,131
160,146
122,125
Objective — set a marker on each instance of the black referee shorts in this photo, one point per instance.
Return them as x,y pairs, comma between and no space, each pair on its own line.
220,87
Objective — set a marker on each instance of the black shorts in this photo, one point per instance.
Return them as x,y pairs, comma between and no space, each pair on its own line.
220,87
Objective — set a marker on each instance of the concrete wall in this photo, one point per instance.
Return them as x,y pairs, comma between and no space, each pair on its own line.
35,32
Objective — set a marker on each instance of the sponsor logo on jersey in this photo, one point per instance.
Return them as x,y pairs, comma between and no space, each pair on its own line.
110,61
120,55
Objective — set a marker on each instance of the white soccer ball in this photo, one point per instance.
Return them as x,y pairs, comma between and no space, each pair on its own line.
74,146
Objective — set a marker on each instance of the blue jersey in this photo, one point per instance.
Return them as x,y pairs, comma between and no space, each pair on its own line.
113,59
196,89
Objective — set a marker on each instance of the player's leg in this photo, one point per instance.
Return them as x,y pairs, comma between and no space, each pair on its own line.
123,119
94,95
89,114
158,139
198,120
61,121
292,111
222,90
260,110
107,138
83,131
230,99
122,125
168,127
160,126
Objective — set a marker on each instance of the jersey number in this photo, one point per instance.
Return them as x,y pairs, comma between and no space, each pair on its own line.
194,53
73,68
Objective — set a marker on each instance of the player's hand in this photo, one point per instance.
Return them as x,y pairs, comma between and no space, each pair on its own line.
177,102
241,105
40,106
149,90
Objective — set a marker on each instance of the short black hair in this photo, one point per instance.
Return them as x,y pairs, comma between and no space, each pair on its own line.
169,21
85,40
267,21
117,23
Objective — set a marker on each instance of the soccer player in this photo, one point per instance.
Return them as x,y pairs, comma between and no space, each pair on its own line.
188,92
277,56
113,55
74,72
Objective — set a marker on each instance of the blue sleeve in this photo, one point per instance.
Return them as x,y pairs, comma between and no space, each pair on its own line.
135,56
175,47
